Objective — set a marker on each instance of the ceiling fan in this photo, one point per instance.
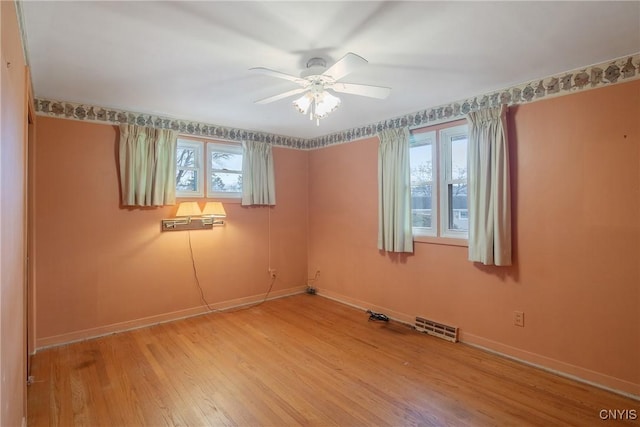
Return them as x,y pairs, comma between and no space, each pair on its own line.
315,82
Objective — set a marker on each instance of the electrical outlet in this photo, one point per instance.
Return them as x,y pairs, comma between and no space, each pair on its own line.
273,273
518,318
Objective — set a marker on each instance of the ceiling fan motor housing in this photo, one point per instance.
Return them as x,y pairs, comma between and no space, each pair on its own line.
315,66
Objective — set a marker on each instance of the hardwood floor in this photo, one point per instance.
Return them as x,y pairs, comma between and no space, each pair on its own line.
301,360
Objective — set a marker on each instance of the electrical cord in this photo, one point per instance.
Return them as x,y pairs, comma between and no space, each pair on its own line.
197,279
311,290
314,278
273,280
195,274
273,277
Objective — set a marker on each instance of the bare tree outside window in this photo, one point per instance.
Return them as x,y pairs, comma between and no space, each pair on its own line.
421,173
186,175
421,194
225,170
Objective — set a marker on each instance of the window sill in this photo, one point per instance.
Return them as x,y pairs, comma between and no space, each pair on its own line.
189,196
225,196
237,200
448,241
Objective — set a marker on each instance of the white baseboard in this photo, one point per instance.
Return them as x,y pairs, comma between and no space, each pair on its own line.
85,334
576,373
558,367
364,306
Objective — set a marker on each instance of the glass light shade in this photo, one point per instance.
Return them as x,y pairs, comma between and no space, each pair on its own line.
326,104
214,209
303,103
189,209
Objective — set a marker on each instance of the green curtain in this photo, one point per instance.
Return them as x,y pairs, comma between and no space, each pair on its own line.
147,166
394,192
258,182
489,187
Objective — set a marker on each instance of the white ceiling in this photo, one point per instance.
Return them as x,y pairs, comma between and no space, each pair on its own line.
191,60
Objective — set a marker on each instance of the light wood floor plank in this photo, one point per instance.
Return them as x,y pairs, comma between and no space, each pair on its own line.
302,360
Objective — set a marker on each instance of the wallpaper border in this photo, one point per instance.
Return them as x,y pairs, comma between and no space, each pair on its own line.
114,116
618,70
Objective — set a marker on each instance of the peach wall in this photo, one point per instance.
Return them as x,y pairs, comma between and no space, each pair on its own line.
102,267
576,275
12,221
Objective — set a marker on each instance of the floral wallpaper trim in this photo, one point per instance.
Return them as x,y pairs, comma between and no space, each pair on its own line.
616,71
90,113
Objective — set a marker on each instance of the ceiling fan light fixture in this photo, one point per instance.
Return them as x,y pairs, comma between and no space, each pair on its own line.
303,103
325,104
317,104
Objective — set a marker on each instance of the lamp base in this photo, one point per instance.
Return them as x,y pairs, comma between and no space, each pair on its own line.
196,224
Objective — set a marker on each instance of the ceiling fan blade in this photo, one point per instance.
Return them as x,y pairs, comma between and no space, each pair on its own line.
280,96
345,65
278,74
364,90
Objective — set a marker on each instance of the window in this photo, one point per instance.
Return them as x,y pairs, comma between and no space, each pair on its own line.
189,182
223,177
438,162
224,169
453,142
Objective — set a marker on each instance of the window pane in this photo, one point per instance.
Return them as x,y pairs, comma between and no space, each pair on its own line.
421,218
226,182
459,158
421,205
422,175
226,161
186,157
420,164
186,180
189,165
458,212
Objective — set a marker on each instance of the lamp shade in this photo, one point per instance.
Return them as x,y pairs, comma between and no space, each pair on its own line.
326,104
189,209
215,209
304,102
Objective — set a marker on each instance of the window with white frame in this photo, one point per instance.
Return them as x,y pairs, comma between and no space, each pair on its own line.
224,170
223,177
189,169
438,163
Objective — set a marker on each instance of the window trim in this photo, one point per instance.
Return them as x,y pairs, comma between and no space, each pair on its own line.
199,168
222,148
